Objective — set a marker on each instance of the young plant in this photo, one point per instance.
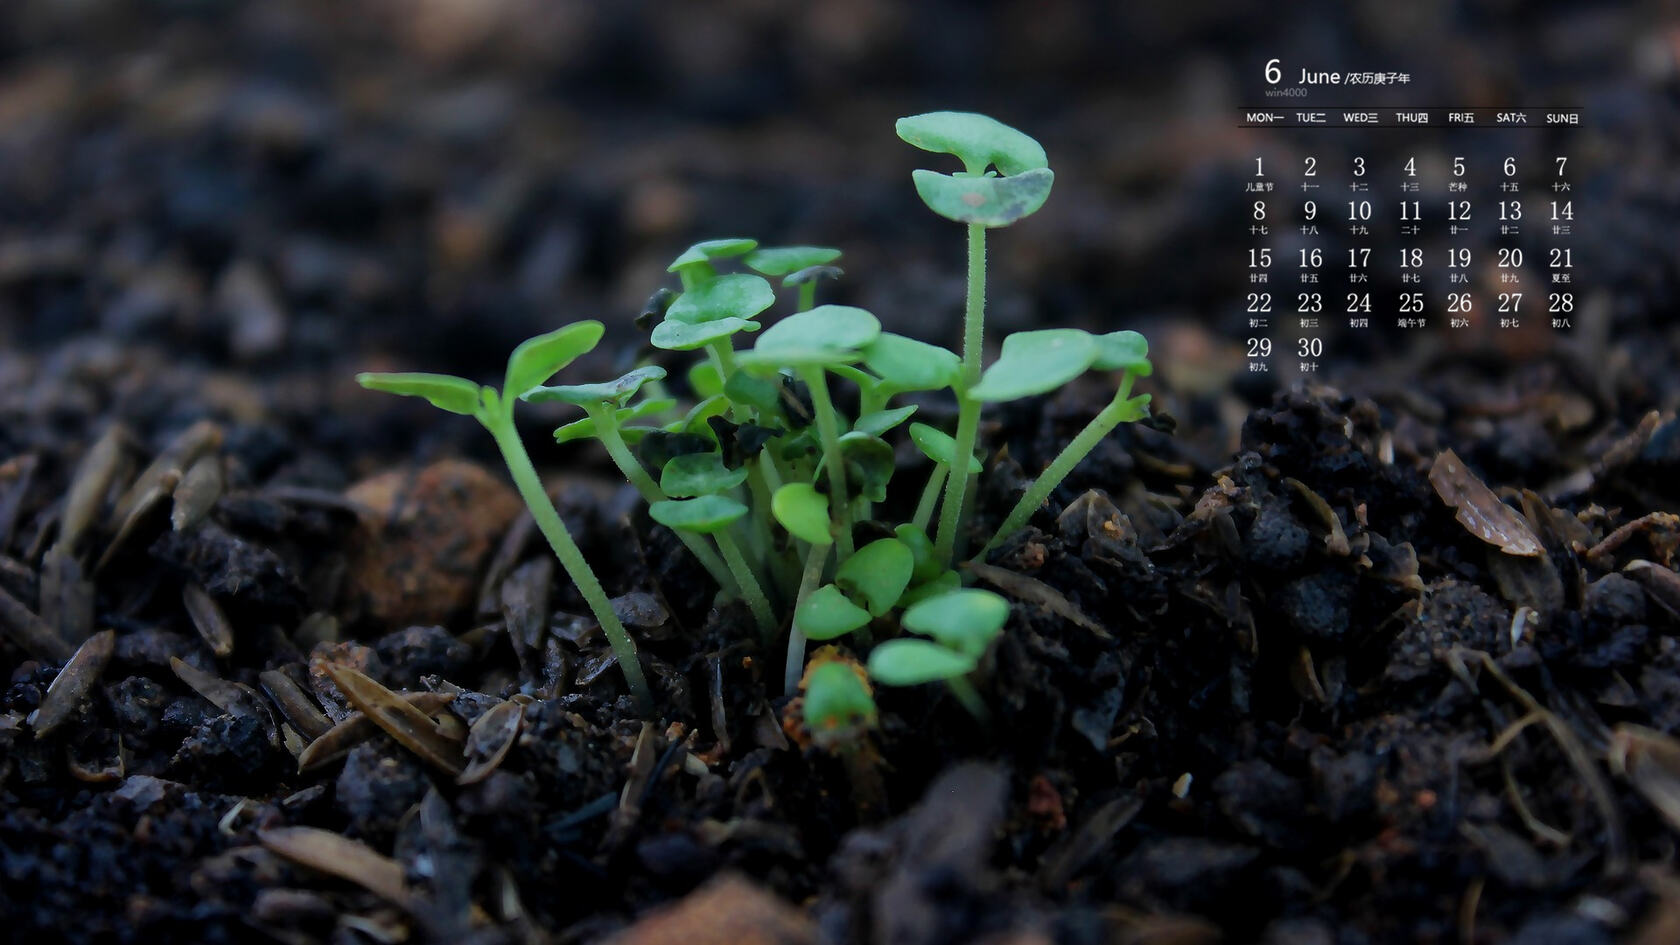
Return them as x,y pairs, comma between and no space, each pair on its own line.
531,363
963,624
1005,177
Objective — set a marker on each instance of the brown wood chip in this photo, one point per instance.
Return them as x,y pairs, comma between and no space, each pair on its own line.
73,682
98,469
23,627
1034,591
490,739
412,728
201,486
356,728
336,855
1479,510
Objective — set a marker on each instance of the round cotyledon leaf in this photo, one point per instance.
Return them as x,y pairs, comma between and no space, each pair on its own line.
540,358
822,335
980,141
836,700
803,511
905,364
939,447
673,335
705,251
879,422
989,201
695,474
733,296
965,620
781,260
1123,350
827,613
908,662
1036,362
705,515
877,574
443,391
615,392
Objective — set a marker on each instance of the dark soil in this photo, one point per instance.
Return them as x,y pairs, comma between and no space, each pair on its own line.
1259,685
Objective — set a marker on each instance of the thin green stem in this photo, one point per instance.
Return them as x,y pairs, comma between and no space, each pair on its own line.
828,430
1117,412
807,295
796,639
968,411
750,588
930,496
956,486
964,691
548,520
608,433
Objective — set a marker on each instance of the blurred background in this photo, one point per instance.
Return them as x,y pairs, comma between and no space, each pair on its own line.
229,207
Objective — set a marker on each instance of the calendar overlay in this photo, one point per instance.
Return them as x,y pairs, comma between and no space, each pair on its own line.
1362,222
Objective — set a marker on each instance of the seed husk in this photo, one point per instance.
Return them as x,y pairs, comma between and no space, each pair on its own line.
73,682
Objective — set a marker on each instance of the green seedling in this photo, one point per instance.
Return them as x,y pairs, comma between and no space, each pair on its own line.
963,624
765,479
533,362
799,266
981,200
838,704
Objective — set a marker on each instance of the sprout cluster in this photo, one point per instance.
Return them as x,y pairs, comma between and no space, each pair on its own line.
772,487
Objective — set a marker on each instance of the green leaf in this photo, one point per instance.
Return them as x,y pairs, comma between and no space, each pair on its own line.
803,511
699,474
733,296
708,250
877,574
673,335
837,702
921,550
705,515
964,620
989,201
1036,362
762,395
704,379
827,614
906,364
941,583
615,392
937,446
1123,350
781,260
540,358
979,140
584,428
695,420
869,465
879,422
913,662
443,391
827,334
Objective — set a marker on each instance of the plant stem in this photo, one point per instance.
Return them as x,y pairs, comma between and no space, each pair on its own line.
964,691
548,520
796,640
807,295
829,432
930,496
749,585
1117,411
607,432
968,411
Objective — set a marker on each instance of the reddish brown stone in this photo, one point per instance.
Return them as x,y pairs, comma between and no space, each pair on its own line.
423,541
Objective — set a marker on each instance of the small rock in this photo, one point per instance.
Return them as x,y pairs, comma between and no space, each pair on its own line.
416,556
727,911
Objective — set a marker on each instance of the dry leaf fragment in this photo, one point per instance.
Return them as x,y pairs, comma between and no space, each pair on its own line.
73,682
489,740
356,728
207,616
412,728
335,855
1034,591
1479,510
